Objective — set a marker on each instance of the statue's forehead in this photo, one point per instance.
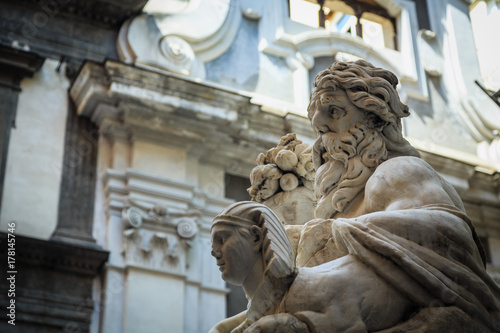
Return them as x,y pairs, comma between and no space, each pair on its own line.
332,95
220,227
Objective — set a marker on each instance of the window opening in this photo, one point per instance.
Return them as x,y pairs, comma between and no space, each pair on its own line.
363,18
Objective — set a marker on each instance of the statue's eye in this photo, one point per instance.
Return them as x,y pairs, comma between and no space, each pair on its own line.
336,112
224,238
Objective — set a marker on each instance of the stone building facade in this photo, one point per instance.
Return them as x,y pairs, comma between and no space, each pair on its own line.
127,126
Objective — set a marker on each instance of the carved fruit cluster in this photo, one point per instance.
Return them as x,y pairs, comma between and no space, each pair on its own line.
283,168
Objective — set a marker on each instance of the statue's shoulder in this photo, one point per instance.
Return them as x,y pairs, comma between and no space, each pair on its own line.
404,182
403,169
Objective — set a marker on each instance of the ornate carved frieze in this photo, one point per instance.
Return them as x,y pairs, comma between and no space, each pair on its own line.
154,250
157,238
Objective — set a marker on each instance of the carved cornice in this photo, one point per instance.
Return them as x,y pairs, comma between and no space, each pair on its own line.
178,111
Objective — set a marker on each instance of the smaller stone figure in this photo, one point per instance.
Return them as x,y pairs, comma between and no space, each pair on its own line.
252,250
283,180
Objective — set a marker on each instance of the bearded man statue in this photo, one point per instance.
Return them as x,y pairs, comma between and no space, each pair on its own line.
356,114
386,214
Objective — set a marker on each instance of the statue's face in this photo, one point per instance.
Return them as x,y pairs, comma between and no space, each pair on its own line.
336,113
345,152
234,253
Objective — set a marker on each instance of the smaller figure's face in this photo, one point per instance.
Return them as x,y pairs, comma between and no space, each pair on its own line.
235,254
265,182
337,114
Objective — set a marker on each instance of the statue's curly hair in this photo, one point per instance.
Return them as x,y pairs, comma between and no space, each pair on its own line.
371,89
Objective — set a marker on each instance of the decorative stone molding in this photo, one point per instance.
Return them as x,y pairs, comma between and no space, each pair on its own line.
154,250
182,50
182,200
393,7
158,239
159,216
187,228
166,108
491,151
133,217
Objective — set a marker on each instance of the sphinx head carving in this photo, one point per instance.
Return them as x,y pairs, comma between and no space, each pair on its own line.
249,243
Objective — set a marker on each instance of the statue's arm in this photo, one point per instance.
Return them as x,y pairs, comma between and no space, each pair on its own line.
406,183
228,324
282,322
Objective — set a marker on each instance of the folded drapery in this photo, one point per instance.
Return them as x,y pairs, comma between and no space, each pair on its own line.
428,254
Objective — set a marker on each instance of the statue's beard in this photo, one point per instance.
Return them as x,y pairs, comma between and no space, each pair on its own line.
344,162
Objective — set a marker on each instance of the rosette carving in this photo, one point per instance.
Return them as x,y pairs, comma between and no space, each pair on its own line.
178,53
187,228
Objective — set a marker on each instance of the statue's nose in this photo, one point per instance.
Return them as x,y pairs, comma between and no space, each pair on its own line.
319,121
215,254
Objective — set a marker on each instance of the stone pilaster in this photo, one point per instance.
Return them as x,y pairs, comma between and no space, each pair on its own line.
76,201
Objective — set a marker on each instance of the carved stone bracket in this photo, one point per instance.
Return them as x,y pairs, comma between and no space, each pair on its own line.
156,238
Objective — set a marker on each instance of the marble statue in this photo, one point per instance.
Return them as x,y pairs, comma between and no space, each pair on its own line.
390,248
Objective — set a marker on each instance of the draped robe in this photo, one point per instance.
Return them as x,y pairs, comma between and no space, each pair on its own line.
416,237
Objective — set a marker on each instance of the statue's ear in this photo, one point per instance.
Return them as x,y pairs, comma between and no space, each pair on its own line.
256,237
